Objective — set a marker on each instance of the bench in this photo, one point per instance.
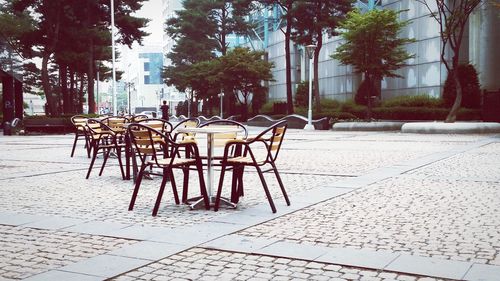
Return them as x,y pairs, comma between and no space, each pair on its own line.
47,125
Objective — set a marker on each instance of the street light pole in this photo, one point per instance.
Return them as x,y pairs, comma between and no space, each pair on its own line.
113,54
310,54
221,95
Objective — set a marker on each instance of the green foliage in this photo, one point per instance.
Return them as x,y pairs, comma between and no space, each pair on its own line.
267,108
413,101
364,92
422,113
302,94
243,71
372,44
471,91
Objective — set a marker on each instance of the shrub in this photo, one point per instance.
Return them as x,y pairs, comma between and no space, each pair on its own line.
355,109
267,108
329,104
422,113
471,91
302,94
364,91
413,101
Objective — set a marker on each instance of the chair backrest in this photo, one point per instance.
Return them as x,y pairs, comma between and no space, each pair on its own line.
95,128
160,125
79,121
137,118
116,123
220,139
150,142
145,140
276,134
187,123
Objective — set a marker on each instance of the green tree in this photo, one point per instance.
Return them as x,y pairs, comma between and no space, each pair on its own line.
372,46
244,71
286,6
452,17
51,21
313,18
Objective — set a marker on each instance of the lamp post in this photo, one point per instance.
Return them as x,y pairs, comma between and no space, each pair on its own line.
310,53
221,95
129,85
113,54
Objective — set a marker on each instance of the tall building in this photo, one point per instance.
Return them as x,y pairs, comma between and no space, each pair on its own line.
425,74
170,93
142,75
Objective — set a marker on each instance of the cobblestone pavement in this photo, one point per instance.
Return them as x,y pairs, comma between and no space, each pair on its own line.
28,251
447,208
202,264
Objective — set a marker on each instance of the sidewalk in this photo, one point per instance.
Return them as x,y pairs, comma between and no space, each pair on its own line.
365,206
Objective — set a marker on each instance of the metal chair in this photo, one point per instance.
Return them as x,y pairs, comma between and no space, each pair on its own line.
103,138
148,143
79,122
271,139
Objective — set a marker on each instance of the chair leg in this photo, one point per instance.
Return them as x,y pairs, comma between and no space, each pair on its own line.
119,155
219,189
94,156
74,145
203,187
234,185
264,184
136,188
240,181
185,171
106,156
170,174
160,194
281,184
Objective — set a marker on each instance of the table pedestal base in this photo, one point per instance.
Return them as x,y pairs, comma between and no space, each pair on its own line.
197,202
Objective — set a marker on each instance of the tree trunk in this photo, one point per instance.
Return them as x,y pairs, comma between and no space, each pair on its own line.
289,95
72,90
452,115
80,93
63,78
90,77
47,89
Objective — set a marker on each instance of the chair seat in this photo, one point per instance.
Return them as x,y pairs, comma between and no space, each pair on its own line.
245,160
177,161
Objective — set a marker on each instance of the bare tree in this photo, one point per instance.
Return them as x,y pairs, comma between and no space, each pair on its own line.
452,17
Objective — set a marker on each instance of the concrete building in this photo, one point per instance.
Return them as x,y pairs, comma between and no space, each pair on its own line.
425,74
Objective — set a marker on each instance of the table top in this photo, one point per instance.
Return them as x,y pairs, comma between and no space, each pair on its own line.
210,129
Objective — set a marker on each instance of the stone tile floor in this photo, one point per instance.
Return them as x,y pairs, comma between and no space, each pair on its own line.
446,207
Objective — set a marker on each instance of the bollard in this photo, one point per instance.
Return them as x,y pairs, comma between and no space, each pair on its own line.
7,129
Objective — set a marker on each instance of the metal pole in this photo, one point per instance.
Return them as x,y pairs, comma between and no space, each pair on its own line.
309,111
129,108
221,95
113,54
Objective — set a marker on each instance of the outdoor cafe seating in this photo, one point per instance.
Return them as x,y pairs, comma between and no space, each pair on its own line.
105,140
147,143
161,147
271,139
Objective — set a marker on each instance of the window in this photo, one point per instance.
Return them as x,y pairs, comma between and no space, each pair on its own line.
146,66
146,79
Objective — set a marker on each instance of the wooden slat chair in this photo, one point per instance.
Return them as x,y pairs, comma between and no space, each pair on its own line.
147,142
137,118
187,123
103,139
271,139
80,122
160,125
